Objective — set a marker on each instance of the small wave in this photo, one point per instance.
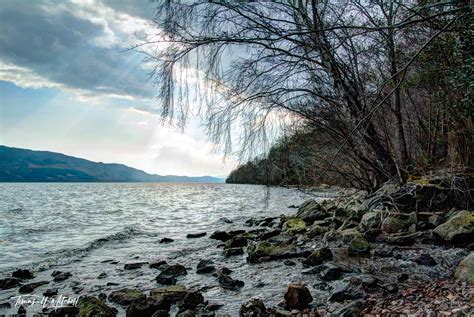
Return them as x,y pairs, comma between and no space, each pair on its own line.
70,255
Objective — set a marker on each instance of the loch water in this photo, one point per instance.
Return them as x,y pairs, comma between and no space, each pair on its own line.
84,228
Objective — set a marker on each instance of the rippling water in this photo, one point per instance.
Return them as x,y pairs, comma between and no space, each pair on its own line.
75,227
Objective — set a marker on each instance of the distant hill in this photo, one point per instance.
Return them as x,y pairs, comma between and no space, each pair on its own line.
22,165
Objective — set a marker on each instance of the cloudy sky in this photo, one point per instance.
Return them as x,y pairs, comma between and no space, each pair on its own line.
68,84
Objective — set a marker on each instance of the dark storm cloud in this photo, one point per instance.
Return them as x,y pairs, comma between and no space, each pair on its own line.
78,51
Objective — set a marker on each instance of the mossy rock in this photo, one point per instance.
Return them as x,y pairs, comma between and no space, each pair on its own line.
458,228
92,307
370,220
402,238
171,294
294,226
465,270
265,249
393,225
316,231
311,211
236,242
125,296
358,246
348,235
318,257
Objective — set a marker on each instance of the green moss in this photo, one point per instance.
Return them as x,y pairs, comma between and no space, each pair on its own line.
172,293
266,249
465,270
392,224
295,225
93,307
358,245
458,227
349,234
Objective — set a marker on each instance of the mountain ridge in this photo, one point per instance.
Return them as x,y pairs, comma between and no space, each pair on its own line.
25,165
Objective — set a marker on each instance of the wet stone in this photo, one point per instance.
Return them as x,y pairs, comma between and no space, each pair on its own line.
134,266
9,282
426,259
166,240
125,296
196,235
146,307
297,296
23,274
233,251
29,288
229,283
60,276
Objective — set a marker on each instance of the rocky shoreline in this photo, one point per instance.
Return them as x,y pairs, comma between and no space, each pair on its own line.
404,250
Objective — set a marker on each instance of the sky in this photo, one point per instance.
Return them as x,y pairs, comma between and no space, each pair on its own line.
70,84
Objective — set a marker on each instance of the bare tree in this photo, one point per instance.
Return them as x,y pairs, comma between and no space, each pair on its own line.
313,63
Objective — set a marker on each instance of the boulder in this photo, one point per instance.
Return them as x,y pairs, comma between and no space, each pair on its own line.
191,300
252,307
205,266
93,307
23,274
229,283
316,231
125,296
465,269
331,271
166,280
9,282
318,257
310,211
171,294
348,235
221,236
294,226
174,270
297,296
358,246
458,228
236,242
435,220
370,220
273,250
394,225
146,307
263,249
